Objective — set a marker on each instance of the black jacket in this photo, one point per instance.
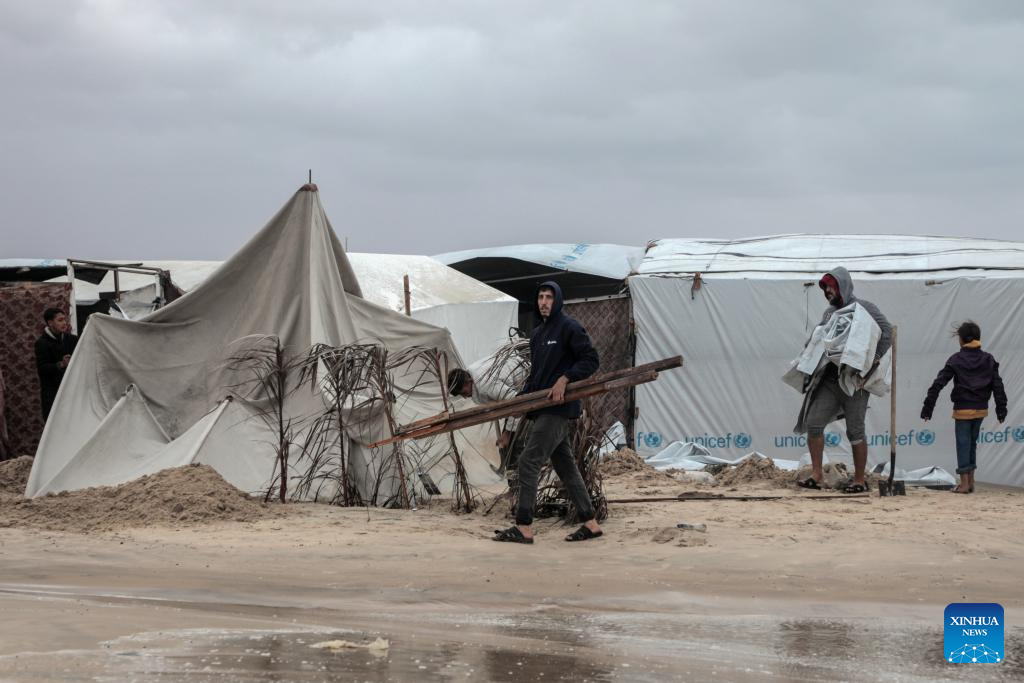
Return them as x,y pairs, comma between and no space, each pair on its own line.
559,346
975,375
50,351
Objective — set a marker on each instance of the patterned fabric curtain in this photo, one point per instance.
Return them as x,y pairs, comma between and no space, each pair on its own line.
21,310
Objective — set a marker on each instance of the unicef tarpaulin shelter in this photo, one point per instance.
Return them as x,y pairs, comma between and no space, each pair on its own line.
739,311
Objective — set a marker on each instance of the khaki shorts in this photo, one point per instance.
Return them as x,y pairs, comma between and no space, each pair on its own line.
831,403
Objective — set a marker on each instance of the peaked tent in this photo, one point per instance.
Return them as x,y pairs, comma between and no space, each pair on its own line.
140,396
753,307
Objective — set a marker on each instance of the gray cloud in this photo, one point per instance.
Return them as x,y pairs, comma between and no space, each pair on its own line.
156,129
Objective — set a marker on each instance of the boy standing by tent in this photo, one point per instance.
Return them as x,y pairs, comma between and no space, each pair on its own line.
462,383
826,401
975,376
53,353
560,352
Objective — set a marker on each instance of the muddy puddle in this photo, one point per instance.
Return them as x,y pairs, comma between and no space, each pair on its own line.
540,643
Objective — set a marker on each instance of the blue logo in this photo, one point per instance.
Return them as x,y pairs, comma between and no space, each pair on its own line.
832,439
1018,434
743,440
925,437
973,633
652,439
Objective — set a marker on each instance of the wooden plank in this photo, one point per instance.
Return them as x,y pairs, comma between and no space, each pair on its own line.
657,366
461,420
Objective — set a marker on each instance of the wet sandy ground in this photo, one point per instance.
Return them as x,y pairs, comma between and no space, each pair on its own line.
788,591
208,637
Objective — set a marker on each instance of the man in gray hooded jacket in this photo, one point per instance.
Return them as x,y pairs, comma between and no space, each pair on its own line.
825,401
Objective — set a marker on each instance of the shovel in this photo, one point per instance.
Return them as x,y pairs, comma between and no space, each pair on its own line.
890,487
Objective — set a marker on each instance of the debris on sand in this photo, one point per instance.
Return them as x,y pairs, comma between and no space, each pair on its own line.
683,538
698,477
14,474
379,645
181,496
622,461
754,470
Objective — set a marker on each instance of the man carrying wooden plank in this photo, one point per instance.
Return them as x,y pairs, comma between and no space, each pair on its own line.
560,353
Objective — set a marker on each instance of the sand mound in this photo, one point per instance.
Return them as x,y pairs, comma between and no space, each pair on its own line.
622,461
14,474
182,496
753,470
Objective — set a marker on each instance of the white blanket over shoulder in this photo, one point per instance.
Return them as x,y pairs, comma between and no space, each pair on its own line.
847,339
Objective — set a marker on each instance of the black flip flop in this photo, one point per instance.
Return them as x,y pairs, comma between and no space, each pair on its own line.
511,535
583,534
855,488
809,483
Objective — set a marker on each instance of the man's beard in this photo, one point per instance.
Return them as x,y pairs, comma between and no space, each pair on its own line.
836,301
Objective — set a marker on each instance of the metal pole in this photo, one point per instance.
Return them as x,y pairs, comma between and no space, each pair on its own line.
892,413
72,312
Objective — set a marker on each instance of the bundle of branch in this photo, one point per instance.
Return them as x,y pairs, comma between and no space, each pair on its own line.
598,384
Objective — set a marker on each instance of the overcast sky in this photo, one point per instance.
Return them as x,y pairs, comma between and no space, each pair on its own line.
175,129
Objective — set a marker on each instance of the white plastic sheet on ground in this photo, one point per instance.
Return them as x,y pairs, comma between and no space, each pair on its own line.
693,457
923,476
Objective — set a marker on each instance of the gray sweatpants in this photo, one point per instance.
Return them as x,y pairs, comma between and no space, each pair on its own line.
549,438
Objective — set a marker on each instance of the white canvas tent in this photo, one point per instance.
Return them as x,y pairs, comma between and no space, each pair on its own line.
478,316
753,307
140,396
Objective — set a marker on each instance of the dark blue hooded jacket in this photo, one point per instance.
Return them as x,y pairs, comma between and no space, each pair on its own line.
559,346
975,375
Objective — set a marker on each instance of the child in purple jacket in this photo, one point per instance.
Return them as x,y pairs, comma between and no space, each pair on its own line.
975,376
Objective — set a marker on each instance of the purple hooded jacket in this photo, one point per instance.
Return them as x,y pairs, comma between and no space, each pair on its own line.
975,375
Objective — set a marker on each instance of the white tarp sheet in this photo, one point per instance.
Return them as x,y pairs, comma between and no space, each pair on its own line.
613,261
738,336
811,254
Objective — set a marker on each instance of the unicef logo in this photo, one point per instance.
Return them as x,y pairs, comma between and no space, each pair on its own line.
743,440
925,437
1018,434
652,439
832,439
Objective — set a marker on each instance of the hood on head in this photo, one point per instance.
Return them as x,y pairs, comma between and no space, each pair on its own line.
845,282
557,308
